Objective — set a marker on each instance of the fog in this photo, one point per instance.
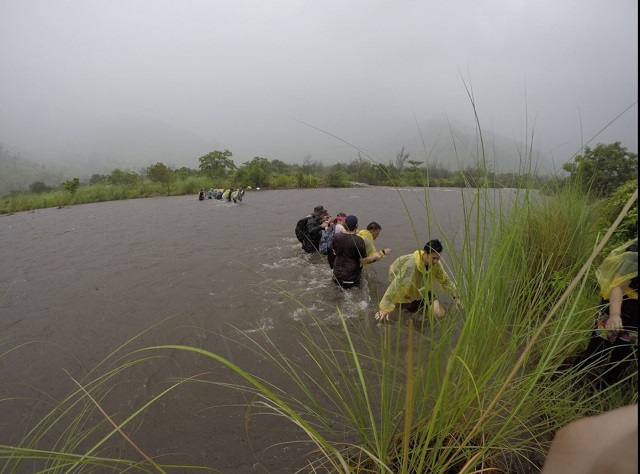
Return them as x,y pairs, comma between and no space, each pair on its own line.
158,80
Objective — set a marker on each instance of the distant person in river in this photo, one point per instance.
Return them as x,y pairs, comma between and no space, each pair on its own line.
351,255
614,339
237,195
411,282
201,195
370,234
316,223
336,226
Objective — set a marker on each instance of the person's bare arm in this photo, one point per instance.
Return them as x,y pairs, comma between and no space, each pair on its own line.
614,323
603,444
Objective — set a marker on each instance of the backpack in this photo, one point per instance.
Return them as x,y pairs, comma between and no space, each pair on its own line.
326,241
301,229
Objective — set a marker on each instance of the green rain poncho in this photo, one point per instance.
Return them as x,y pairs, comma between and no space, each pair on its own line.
410,280
618,267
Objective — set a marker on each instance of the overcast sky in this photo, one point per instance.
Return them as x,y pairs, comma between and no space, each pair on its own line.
276,78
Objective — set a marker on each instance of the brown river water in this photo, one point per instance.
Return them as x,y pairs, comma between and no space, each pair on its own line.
78,283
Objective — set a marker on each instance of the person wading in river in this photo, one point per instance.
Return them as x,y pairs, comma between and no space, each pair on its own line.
411,282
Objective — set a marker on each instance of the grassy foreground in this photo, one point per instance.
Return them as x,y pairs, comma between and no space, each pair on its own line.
481,390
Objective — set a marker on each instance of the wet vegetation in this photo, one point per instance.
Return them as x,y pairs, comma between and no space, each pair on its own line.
602,170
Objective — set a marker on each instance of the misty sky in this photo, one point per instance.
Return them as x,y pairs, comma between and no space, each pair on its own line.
277,79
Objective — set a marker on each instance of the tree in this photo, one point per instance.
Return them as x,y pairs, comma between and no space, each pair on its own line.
184,172
217,164
97,178
611,207
38,187
72,185
279,166
401,158
256,172
603,169
159,173
123,178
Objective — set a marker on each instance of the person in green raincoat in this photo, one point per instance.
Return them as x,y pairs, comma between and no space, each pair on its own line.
411,282
614,338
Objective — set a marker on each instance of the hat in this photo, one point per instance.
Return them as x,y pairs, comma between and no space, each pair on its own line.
351,222
319,210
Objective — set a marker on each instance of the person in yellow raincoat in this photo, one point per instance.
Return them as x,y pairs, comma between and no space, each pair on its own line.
411,282
370,234
615,335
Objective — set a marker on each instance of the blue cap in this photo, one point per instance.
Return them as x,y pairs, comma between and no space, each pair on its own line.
351,222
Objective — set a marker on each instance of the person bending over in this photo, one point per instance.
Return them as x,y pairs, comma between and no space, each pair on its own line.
411,282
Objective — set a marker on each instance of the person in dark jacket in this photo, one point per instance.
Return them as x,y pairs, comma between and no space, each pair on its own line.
317,222
351,255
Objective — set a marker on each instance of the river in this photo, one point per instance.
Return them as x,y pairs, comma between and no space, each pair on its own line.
77,283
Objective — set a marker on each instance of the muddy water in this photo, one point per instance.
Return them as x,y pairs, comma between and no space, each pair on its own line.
78,283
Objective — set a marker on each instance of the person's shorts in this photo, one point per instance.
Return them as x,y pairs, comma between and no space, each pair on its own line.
418,305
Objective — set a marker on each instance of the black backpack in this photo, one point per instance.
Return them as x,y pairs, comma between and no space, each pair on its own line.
301,229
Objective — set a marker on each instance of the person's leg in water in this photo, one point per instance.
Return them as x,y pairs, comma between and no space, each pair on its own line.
331,258
418,306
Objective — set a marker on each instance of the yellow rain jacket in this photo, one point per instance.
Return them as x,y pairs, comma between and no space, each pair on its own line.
410,280
618,267
368,243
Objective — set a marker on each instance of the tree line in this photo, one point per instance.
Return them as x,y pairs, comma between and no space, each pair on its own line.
600,171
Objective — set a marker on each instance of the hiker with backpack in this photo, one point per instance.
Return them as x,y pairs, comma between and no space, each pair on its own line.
309,229
336,226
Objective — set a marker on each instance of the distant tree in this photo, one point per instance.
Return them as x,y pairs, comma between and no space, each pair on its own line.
97,178
72,185
280,166
38,187
256,172
604,169
159,173
338,179
123,178
611,207
401,157
217,164
307,164
184,172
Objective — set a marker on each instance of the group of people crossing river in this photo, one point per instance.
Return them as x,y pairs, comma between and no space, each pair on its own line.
349,248
228,194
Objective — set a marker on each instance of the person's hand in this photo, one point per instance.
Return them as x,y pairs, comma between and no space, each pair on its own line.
387,251
459,304
614,323
382,315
